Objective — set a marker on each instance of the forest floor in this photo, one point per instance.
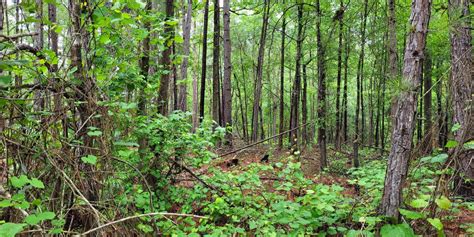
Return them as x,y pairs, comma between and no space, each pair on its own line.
309,158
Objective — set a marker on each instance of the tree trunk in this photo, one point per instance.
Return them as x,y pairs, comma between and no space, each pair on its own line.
296,92
144,67
461,91
359,137
182,88
39,101
282,81
344,94
321,91
404,111
338,137
216,102
304,107
428,135
165,61
227,86
204,60
258,82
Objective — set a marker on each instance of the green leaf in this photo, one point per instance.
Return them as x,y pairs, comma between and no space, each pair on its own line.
455,127
413,215
104,39
402,230
5,80
89,159
46,215
32,219
419,203
94,133
441,158
451,144
443,202
5,203
436,222
11,229
36,183
469,145
19,182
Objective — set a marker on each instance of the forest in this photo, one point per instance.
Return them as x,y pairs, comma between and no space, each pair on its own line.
236,118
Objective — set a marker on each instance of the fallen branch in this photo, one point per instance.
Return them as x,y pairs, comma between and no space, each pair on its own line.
138,216
4,38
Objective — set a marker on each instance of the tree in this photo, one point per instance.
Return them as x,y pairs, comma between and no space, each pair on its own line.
427,140
216,74
226,87
404,110
182,93
461,90
165,60
259,74
338,135
282,79
359,135
321,90
204,59
296,91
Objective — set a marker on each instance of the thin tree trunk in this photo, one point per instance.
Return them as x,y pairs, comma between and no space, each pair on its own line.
296,92
338,137
304,107
428,135
282,81
321,91
344,94
144,68
204,60
226,87
39,101
404,111
258,82
165,61
216,102
182,90
359,137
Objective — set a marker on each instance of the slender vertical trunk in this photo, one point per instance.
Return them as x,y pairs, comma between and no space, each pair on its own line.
428,138
39,102
338,137
404,111
441,132
359,137
144,64
321,118
182,90
227,86
204,60
216,92
304,107
195,115
165,61
461,90
258,82
282,81
296,92
344,94
419,119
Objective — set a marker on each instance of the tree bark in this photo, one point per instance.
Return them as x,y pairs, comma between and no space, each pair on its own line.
282,80
259,75
204,60
227,86
428,135
461,84
404,111
144,64
216,92
338,137
321,90
182,88
296,92
39,101
359,136
344,94
165,61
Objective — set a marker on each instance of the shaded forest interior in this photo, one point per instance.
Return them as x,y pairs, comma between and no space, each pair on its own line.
223,118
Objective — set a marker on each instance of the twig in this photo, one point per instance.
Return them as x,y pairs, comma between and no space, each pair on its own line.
138,216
